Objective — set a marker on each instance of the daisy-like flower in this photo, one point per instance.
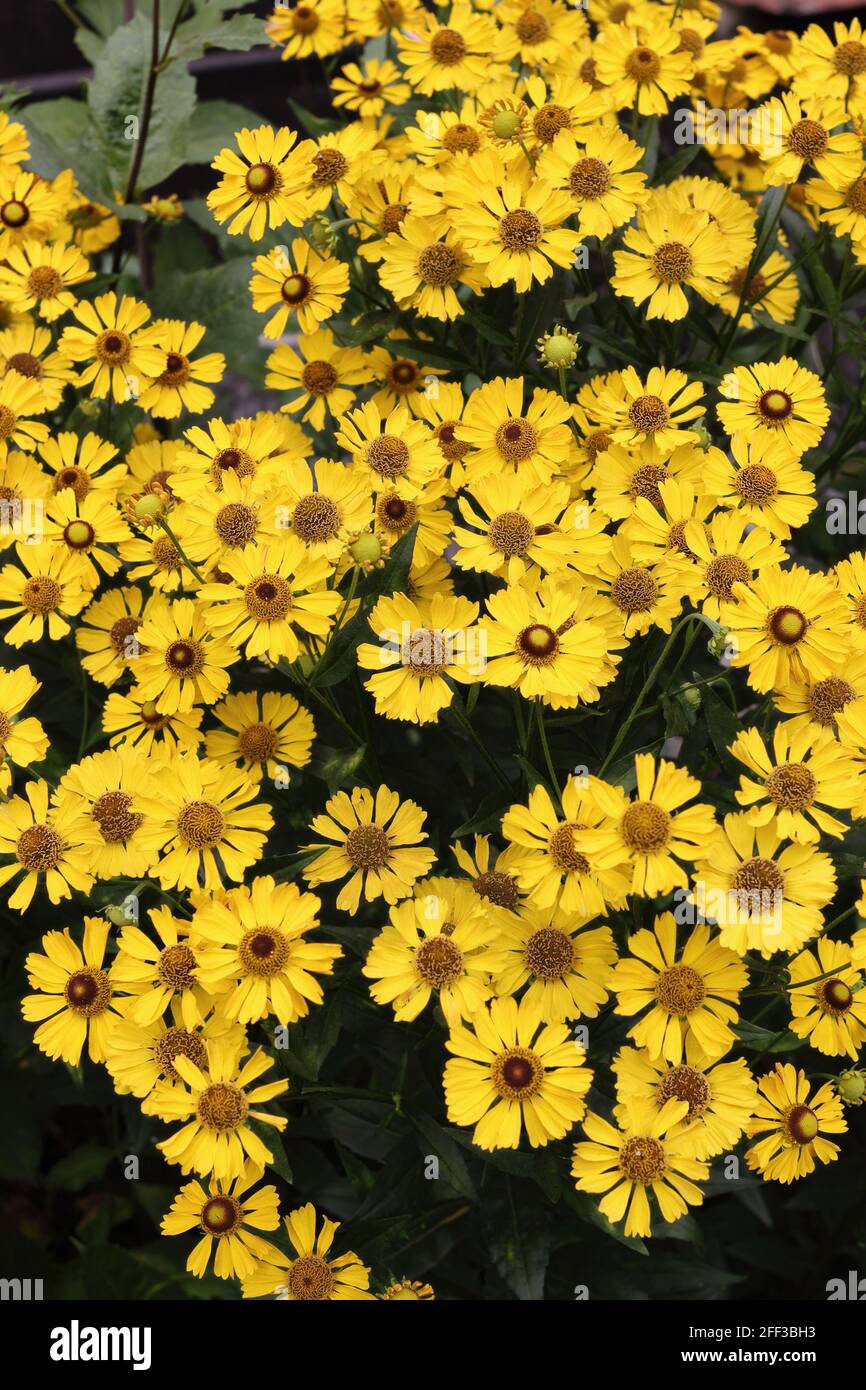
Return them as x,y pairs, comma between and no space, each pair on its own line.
308,26
74,1005
775,398
211,822
653,833
532,642
808,771
242,514
117,344
850,576
787,622
22,741
830,66
547,864
644,67
828,1006
225,1213
687,999
131,719
490,875
177,386
443,942
423,269
443,411
533,439
657,532
139,1055
272,593
388,445
252,449
326,504
80,462
89,530
217,1107
375,844
640,1159
44,595
515,527
720,1096
311,1276
300,281
667,253
651,416
763,894
446,137
620,475
763,483
562,101
645,595
30,207
457,55
796,133
318,378
395,515
29,350
369,89
818,701
564,962
417,653
727,210
728,550
262,186
161,974
261,733
598,168
513,228
537,32
180,663
119,794
14,145
92,225
794,1124
773,290
45,845
409,1291
402,380
42,277
251,950
507,1076
842,200
337,160
21,400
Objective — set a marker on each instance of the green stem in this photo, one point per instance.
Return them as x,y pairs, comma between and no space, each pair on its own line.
180,550
457,710
545,748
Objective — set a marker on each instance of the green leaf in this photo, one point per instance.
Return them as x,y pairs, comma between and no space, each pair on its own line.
341,767
758,1039
312,124
518,1238
63,135
206,30
80,1168
722,724
212,127
442,1144
272,1141
219,298
116,96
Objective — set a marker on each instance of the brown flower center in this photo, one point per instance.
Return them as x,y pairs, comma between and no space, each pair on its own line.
296,289
680,990
648,414
387,455
461,137
827,698
304,19
439,264
439,962
645,827
263,180
178,1042
39,848
396,514
113,347
549,120
855,199
517,1074
115,817
200,825
758,875
498,888
537,645
14,213
25,364
236,524
263,951
673,262
562,851
316,518
43,282
87,992
176,967
268,598
643,65
367,847
222,1106
185,657
257,742
787,625
792,786
801,1124
330,166
642,1159
685,1083
756,484
549,954
176,370
448,47
310,1279
634,590
511,533
516,439
589,178
532,27
520,230
41,594
220,1216
773,407
807,139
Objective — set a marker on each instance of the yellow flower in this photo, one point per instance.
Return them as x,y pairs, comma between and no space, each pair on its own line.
728,550
667,253
74,1005
213,826
688,999
78,462
251,951
273,593
640,1158
773,290
388,446
652,415
179,663
299,281
514,527
261,733
598,168
92,226
89,530
308,26
490,879
250,448
326,504
423,268
842,199
808,770
133,720
506,1076
621,476
547,864
369,89
107,634
28,349
376,844
41,277
176,386
443,942
644,67
533,440
775,398
30,207
564,963
310,1276
763,483
763,894
139,1055
818,701
161,974
223,1214
44,595
263,186
457,55
118,792
46,844
336,161
786,623
14,145
720,1096
538,32
794,1125
217,1107
417,653
796,133
20,399
830,66
22,741
828,1006
318,378
644,595
121,353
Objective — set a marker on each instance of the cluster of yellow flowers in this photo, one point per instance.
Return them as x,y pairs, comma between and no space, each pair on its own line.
584,517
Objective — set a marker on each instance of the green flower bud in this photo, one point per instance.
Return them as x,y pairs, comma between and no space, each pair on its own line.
851,1086
505,124
366,550
148,507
